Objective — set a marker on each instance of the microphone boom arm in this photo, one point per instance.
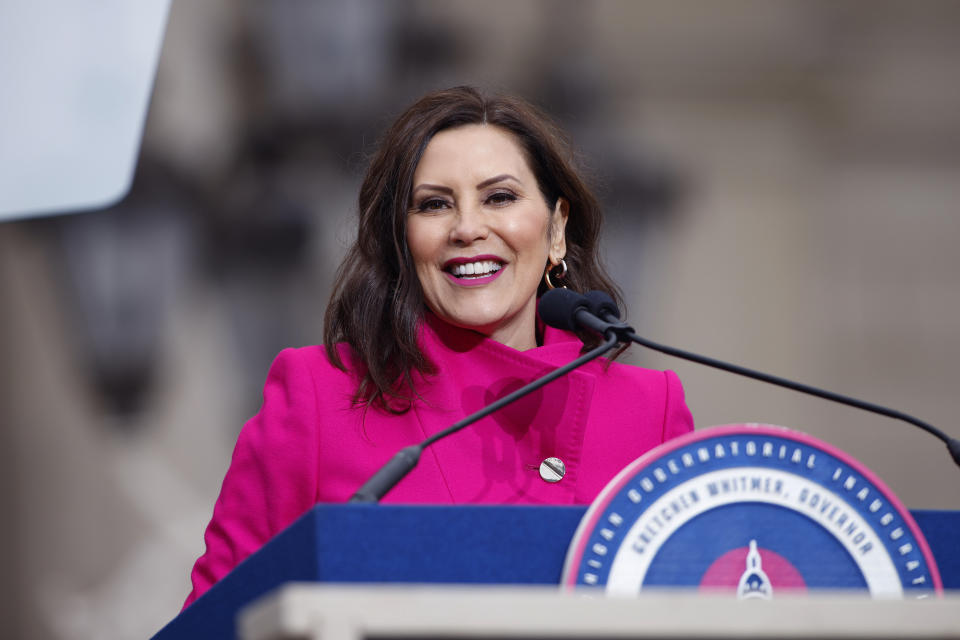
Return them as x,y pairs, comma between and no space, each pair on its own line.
626,332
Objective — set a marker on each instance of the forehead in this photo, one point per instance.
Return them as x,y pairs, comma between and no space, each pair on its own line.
472,152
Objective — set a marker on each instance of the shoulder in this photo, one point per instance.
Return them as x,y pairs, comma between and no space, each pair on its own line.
649,383
304,380
652,379
562,346
659,393
313,362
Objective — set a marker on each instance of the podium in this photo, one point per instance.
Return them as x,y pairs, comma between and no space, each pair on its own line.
321,612
492,545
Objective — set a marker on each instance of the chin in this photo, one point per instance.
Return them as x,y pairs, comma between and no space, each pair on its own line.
484,325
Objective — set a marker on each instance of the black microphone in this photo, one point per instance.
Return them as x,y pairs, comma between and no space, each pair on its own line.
568,310
601,304
404,461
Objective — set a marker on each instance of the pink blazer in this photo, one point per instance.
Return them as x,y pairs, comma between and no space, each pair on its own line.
309,443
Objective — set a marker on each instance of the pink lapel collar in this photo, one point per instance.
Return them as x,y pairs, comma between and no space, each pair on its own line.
498,458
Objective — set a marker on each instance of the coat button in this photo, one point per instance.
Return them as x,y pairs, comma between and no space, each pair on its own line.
552,469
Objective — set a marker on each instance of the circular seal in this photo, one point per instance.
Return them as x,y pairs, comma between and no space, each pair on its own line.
751,509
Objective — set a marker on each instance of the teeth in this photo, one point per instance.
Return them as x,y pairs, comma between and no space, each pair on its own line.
476,269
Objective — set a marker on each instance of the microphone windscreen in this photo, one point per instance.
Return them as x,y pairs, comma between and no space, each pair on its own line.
601,304
558,308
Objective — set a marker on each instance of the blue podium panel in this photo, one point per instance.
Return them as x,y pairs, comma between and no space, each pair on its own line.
434,544
942,531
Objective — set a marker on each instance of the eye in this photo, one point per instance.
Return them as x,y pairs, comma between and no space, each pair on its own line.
432,204
500,198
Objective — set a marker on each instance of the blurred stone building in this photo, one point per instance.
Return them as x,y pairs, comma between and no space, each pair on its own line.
781,180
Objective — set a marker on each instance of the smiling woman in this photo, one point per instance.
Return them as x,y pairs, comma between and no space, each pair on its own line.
480,233
468,212
380,286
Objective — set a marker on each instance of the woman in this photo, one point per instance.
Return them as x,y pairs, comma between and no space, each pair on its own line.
468,212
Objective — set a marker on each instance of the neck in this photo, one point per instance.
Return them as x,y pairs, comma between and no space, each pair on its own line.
520,337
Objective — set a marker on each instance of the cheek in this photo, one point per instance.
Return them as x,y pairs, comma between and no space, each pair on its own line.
532,238
420,241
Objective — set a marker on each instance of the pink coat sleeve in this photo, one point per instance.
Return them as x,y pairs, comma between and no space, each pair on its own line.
272,478
677,419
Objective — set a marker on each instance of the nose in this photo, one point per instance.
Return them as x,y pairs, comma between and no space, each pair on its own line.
469,225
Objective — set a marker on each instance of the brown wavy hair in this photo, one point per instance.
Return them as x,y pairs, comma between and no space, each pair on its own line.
377,303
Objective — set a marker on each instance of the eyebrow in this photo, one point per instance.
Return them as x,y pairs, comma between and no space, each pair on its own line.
433,187
481,185
496,179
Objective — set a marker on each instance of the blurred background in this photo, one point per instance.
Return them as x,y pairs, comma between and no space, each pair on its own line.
781,179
